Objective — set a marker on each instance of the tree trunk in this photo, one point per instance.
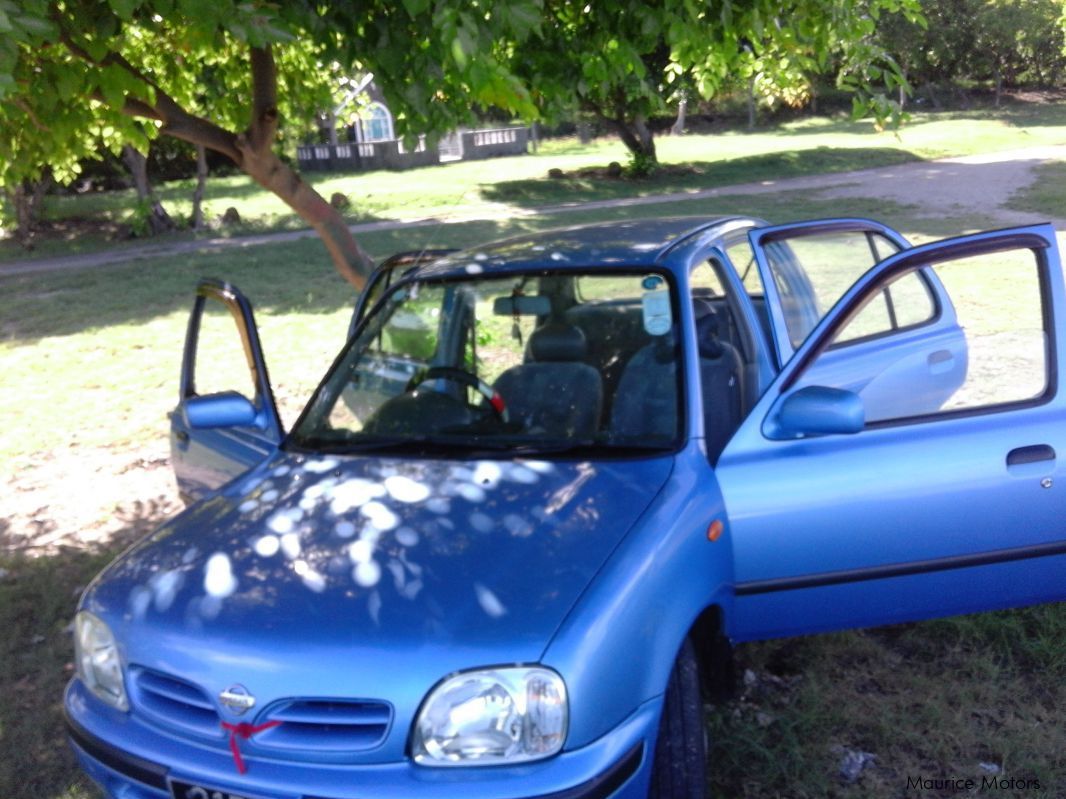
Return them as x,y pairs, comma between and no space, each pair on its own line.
155,215
201,184
997,74
331,121
137,164
640,142
931,94
584,132
22,201
751,102
678,128
27,199
270,172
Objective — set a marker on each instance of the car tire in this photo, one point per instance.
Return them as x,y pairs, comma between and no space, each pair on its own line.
680,767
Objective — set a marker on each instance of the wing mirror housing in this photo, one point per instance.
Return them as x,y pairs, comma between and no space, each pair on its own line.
818,411
226,409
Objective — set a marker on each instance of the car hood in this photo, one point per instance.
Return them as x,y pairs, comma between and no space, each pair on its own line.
371,565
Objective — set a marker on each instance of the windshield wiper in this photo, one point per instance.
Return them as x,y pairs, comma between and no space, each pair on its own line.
527,446
472,445
354,443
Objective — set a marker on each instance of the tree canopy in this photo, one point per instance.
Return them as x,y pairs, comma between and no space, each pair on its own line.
1003,41
624,61
224,73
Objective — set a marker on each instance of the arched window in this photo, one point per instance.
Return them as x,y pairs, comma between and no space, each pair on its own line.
376,123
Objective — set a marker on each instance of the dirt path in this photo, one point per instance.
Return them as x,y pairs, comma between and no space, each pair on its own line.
975,184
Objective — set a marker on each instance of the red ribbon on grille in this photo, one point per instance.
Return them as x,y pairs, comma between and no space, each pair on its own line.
246,731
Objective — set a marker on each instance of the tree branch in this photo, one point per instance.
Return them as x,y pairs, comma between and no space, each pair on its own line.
25,107
134,108
197,130
176,120
264,123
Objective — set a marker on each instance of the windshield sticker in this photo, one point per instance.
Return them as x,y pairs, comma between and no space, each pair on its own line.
657,316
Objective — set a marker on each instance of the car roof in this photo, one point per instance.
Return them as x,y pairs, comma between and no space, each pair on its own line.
634,243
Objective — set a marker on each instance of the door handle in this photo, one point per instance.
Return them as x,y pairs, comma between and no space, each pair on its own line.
940,361
1033,454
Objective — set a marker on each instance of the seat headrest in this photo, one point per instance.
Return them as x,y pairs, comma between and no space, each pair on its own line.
710,346
557,341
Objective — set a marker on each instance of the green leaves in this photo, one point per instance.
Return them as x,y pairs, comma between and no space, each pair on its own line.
416,7
124,8
521,18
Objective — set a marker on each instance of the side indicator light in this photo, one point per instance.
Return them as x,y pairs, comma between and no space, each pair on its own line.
714,532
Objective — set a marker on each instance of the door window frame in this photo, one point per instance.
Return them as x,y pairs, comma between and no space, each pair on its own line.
213,290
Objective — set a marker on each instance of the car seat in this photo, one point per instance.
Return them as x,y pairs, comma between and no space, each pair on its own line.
554,392
646,403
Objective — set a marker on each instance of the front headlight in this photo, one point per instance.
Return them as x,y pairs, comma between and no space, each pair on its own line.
492,716
96,655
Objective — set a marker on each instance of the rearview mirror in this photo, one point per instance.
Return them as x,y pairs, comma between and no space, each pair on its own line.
226,409
819,410
522,305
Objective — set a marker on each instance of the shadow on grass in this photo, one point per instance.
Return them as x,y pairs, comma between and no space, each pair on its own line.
38,596
298,276
85,235
278,278
694,176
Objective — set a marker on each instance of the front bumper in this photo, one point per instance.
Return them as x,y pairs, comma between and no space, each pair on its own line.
616,766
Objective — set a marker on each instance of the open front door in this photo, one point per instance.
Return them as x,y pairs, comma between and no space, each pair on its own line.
853,504
226,421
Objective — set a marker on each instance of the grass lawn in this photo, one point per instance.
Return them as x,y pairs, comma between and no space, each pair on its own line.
489,188
91,360
1047,195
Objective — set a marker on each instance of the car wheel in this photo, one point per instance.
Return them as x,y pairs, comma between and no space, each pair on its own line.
680,767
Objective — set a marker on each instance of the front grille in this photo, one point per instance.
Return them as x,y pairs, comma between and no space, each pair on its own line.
174,703
330,725
307,725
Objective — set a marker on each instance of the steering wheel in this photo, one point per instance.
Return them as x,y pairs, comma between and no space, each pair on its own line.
464,378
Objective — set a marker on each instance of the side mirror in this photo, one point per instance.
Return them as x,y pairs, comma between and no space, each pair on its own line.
819,410
227,409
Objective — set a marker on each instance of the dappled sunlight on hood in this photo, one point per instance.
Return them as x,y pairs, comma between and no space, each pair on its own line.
430,543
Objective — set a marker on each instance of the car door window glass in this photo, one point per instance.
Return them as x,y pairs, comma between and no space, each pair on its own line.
912,300
221,362
906,302
987,348
704,281
812,272
742,257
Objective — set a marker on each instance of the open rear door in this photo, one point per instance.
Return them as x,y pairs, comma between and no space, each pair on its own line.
846,512
226,420
807,266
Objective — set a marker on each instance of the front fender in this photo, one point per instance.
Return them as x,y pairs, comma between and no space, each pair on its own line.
617,645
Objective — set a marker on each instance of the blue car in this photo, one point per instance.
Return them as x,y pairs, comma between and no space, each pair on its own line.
545,487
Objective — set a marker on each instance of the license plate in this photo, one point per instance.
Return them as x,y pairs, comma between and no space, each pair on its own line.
188,790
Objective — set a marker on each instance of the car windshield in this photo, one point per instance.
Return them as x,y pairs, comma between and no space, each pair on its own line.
540,363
